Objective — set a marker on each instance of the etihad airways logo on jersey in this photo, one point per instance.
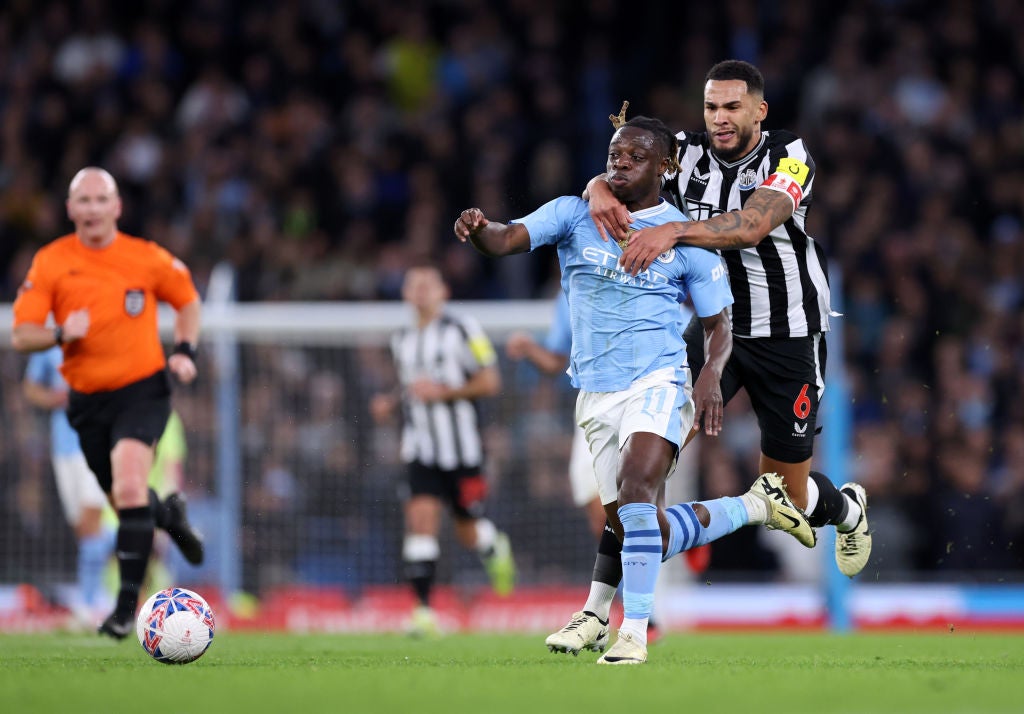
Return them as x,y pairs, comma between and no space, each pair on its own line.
606,264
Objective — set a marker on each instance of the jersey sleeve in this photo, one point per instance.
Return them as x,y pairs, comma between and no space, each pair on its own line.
708,283
35,294
791,171
554,220
174,280
479,351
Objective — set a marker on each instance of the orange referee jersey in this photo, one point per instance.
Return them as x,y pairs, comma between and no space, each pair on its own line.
120,285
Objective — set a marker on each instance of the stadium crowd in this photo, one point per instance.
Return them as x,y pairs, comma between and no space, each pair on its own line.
321,147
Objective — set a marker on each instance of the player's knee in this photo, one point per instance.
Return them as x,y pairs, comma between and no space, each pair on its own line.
130,492
422,514
596,518
637,491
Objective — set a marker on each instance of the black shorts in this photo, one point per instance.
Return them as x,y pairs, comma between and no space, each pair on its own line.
784,378
464,490
136,411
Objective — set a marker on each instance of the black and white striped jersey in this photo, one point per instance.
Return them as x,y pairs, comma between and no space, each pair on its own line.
781,284
448,350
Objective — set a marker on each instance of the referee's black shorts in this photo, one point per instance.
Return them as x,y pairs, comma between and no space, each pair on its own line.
784,378
136,411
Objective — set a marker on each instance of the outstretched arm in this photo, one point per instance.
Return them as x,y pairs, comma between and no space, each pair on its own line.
31,337
45,397
491,238
486,382
521,345
764,211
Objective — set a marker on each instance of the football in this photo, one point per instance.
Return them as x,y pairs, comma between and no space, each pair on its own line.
175,626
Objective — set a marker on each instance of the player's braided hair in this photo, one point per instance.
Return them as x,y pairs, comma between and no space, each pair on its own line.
656,126
618,120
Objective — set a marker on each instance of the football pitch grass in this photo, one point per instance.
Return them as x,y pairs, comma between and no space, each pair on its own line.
687,672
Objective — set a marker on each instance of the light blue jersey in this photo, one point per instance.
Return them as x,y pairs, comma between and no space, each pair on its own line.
623,326
44,368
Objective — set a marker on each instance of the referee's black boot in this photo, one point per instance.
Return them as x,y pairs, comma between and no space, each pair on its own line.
174,520
117,625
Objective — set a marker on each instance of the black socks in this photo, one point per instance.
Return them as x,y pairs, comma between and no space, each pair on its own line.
608,564
134,545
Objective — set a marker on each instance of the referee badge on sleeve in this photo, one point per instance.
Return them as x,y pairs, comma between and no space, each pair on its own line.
134,302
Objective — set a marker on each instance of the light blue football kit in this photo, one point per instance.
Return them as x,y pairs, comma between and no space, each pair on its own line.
582,482
76,485
628,359
44,368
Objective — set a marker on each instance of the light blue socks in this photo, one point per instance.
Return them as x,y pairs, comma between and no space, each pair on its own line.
685,531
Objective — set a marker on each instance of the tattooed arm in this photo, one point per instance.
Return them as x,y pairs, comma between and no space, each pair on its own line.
765,210
761,214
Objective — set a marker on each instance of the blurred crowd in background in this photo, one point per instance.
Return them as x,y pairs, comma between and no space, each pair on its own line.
319,147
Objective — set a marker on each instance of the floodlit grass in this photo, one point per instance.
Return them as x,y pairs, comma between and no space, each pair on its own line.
705,673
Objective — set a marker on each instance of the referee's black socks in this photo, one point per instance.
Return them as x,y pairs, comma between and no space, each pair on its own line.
134,545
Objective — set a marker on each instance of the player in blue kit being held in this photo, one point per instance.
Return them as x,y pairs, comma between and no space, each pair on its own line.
636,402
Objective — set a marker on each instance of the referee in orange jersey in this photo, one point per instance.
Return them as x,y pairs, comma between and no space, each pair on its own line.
102,288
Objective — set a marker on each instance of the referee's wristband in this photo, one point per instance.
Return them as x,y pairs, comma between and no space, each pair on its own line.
186,348
58,335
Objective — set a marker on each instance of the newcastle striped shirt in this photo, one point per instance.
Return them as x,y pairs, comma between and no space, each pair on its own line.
780,285
449,350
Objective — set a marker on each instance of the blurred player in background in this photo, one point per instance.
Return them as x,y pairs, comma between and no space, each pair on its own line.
445,364
167,478
102,286
81,497
552,358
637,405
747,192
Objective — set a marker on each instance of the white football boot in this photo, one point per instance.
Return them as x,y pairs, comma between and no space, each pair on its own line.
585,631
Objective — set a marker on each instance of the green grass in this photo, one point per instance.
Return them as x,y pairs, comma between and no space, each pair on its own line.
687,673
